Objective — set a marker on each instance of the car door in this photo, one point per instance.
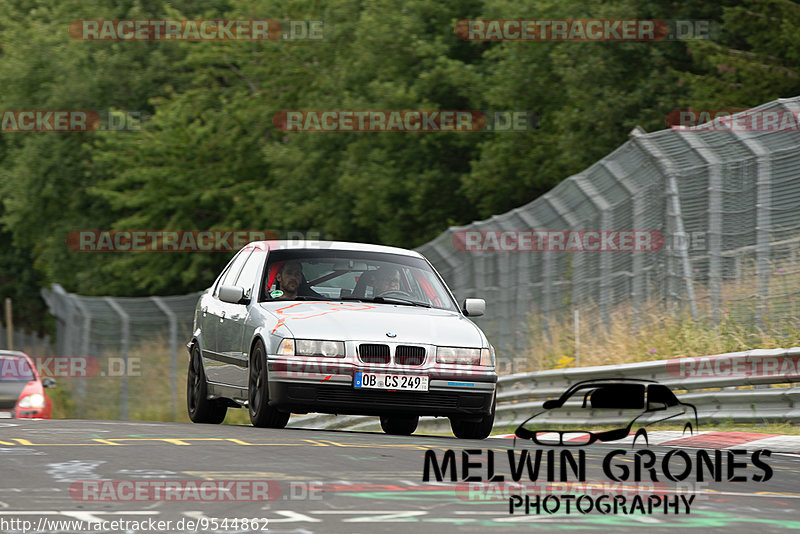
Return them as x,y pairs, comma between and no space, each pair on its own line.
233,339
207,324
217,366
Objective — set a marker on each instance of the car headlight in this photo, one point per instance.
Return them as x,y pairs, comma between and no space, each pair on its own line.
487,357
286,348
311,347
35,400
458,355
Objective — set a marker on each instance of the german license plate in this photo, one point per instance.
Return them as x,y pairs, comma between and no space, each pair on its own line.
5,415
390,381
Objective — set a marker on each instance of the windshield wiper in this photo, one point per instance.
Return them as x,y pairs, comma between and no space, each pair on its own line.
389,300
397,300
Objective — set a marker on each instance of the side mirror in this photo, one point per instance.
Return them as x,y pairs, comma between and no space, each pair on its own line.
48,382
474,307
550,404
231,294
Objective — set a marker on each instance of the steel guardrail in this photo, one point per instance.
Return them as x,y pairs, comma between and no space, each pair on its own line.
730,393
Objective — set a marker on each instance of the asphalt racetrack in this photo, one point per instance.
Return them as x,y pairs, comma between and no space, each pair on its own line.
69,475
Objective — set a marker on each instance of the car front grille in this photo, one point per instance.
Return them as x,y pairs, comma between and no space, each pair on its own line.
373,353
409,355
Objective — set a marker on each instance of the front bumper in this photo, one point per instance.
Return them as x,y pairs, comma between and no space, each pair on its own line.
329,389
25,413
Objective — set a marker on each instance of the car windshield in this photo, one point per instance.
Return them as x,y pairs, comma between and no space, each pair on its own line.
354,275
15,369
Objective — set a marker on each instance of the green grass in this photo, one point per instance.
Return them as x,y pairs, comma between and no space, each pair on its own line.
659,336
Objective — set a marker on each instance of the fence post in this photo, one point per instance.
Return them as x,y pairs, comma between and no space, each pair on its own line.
714,219
530,222
570,221
173,352
763,220
85,340
519,276
675,202
601,205
125,346
576,327
639,283
673,212
9,325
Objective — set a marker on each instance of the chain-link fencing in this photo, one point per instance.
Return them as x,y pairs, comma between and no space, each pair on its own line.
726,203
108,329
29,342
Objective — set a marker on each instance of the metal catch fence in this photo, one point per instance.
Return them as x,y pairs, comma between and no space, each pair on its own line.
725,203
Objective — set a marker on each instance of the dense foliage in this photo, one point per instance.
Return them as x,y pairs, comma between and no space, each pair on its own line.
207,155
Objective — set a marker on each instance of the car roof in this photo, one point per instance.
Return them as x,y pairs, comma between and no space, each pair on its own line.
16,353
330,245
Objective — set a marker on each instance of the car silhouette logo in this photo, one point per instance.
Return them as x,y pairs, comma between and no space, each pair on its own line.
608,410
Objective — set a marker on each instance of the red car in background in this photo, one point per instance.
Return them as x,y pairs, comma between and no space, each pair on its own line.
21,389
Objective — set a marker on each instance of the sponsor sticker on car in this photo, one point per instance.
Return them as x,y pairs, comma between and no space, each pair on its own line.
391,381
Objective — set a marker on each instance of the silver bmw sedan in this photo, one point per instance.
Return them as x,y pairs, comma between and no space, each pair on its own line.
342,328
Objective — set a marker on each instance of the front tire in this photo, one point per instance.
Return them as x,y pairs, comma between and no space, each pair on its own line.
201,409
399,426
474,429
261,413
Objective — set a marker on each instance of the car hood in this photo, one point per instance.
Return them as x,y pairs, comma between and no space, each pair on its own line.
366,321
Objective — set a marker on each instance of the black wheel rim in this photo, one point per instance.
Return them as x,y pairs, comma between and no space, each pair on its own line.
195,377
256,381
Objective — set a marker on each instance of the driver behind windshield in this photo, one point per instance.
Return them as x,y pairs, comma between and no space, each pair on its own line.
290,283
289,277
387,279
